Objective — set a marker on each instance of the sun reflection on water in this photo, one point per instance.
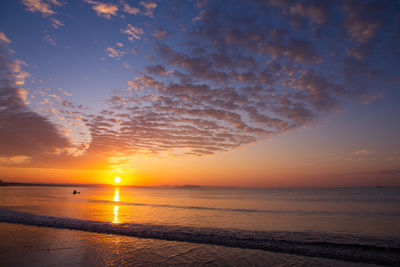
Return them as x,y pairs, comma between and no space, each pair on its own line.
116,199
116,195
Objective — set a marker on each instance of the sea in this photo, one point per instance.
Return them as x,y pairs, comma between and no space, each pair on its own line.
348,224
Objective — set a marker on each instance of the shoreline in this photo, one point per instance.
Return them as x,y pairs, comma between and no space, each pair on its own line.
31,245
367,251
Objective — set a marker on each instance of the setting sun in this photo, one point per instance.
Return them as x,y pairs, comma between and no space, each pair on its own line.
117,180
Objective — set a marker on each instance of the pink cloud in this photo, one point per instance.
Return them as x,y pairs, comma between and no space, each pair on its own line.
160,33
105,10
115,53
317,11
361,21
149,8
134,33
41,6
56,23
4,39
130,10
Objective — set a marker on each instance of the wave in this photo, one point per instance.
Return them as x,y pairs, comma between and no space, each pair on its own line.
343,247
296,212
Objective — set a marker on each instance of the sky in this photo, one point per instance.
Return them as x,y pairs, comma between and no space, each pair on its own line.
225,93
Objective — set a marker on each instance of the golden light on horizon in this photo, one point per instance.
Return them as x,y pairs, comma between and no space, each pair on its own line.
117,180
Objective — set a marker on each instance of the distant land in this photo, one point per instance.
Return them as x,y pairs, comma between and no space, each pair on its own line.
189,186
3,183
51,184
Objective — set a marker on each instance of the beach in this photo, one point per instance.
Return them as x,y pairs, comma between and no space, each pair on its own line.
43,246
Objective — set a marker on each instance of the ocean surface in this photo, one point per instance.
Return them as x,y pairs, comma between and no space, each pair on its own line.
352,224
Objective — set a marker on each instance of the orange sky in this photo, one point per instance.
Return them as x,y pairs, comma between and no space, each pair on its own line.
271,163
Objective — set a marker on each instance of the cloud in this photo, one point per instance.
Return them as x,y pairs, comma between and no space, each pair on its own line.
363,19
126,65
24,133
15,160
219,90
201,3
196,119
4,39
359,51
56,23
301,51
362,152
157,70
115,53
149,8
160,33
316,90
105,10
131,10
19,75
41,6
317,11
50,40
200,16
134,33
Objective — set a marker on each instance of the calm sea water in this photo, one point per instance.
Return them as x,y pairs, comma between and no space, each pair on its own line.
337,217
359,211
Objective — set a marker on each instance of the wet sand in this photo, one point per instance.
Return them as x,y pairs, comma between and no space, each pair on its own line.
42,246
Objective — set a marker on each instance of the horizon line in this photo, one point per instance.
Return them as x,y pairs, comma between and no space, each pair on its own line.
186,186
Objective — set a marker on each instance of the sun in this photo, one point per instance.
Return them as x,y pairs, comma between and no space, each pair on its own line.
117,180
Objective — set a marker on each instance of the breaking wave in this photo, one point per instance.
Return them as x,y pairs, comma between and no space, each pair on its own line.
343,247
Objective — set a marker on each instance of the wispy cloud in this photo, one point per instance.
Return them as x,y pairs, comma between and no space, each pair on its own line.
126,65
45,7
56,23
50,40
362,152
4,39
